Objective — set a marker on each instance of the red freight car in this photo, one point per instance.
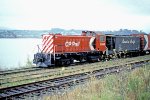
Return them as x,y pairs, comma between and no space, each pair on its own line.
145,41
87,42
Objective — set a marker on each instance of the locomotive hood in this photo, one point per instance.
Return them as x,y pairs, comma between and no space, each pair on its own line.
60,43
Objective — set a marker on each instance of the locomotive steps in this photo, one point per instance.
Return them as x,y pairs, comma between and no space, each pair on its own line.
68,81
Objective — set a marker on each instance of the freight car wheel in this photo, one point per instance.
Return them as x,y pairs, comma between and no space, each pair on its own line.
119,55
102,57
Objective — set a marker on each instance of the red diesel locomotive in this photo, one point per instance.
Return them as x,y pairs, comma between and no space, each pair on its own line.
90,46
61,44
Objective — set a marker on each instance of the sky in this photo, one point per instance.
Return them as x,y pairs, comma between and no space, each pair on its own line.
76,14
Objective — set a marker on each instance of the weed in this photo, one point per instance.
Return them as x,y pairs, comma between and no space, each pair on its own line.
28,62
133,85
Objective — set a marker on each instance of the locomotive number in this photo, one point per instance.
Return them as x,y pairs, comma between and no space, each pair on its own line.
102,44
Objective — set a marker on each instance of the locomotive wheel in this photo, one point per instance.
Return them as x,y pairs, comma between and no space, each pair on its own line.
82,59
67,62
71,61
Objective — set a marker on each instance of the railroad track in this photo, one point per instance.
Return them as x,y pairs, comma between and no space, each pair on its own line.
30,75
62,83
30,69
21,70
33,74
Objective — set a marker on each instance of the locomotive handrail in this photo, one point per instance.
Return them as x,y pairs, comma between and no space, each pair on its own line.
54,53
39,49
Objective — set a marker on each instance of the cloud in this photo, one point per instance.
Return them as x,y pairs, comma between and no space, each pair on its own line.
140,7
78,14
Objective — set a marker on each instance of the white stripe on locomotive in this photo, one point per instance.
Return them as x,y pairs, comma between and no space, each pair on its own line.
91,43
45,38
47,43
48,48
146,38
50,45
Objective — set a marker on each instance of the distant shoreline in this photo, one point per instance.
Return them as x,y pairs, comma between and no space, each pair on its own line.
21,38
38,33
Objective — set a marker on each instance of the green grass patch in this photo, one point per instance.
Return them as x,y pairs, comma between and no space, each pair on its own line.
133,85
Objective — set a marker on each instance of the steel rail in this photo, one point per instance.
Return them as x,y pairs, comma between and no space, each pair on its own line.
37,75
15,71
57,84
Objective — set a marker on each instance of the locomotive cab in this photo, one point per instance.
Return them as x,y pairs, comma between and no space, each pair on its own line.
101,42
98,41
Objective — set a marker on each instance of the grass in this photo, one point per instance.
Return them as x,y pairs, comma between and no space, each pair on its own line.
28,62
133,85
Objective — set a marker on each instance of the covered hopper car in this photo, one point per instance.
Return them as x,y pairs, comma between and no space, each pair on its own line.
122,45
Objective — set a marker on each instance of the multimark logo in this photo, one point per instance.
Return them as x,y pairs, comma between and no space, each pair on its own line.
128,41
73,43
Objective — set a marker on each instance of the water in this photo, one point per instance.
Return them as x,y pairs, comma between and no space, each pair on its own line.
15,52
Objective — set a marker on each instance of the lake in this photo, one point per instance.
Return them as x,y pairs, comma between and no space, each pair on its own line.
15,52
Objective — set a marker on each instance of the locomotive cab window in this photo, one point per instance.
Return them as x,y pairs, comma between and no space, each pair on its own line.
102,38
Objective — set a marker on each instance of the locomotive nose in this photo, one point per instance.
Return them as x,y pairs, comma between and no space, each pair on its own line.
39,60
42,60
38,57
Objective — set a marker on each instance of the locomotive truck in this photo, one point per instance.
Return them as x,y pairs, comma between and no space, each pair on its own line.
58,49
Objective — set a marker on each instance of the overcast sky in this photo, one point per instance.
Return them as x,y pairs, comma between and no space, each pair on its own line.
76,14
